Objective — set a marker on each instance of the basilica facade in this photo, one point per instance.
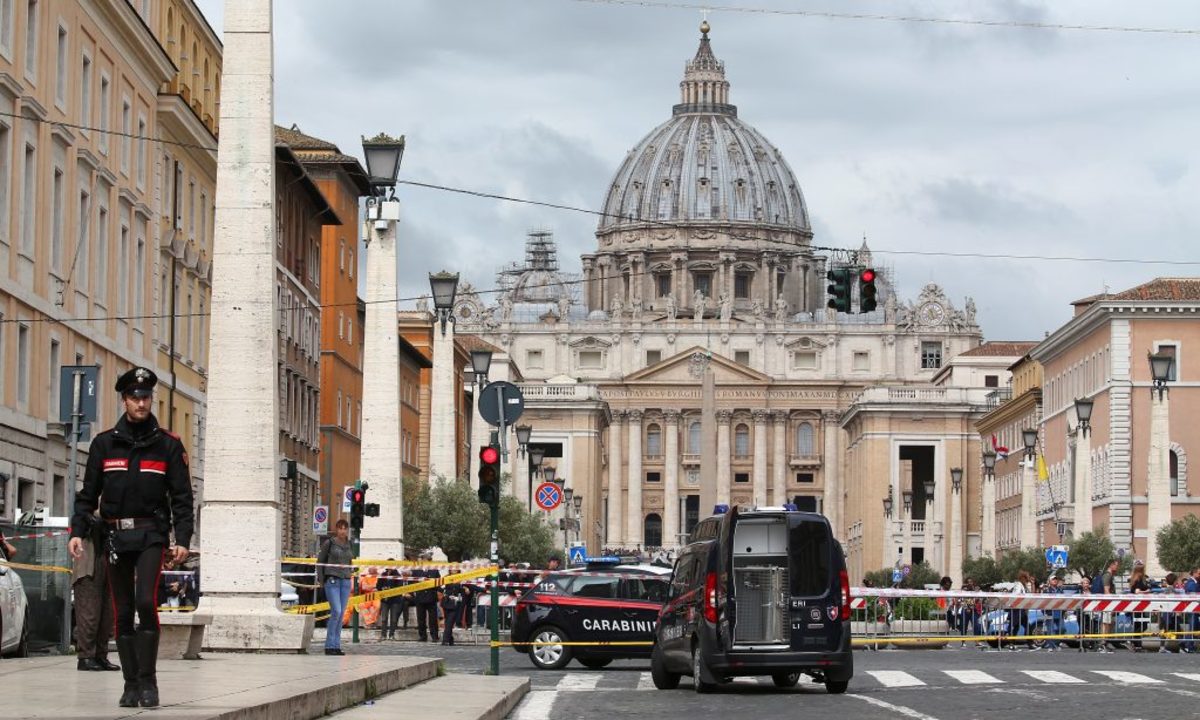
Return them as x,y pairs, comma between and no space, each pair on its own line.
694,354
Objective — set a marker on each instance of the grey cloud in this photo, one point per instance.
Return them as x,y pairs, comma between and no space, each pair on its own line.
990,202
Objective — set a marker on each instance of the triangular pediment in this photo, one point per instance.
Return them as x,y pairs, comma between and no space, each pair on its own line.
681,368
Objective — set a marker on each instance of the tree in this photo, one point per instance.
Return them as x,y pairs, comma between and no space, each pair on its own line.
983,570
1031,559
524,536
447,514
1179,544
920,576
1091,551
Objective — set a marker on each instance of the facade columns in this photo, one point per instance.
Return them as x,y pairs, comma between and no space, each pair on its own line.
443,460
927,538
831,502
724,458
1083,482
633,519
987,525
520,485
780,474
671,527
956,534
1158,477
1029,529
760,458
616,531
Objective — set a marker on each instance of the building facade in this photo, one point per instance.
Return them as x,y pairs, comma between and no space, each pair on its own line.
694,354
416,328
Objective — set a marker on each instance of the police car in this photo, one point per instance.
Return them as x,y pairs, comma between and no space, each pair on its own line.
604,602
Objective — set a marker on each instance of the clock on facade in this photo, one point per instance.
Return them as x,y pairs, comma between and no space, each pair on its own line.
932,313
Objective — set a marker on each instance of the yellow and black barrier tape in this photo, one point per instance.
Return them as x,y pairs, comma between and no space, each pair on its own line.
431,583
594,643
372,561
35,568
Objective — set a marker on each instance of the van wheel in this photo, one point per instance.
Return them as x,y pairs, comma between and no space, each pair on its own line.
836,687
785,680
697,683
594,663
549,653
663,679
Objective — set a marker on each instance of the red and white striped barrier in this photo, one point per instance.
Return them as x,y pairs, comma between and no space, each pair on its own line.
51,533
1166,602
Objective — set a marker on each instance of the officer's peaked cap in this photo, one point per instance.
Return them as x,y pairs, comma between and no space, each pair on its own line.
138,382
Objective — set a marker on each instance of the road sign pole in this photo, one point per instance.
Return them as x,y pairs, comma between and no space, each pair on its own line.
355,538
75,428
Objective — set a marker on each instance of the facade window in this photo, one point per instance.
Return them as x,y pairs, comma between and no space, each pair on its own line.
60,69
141,156
6,46
931,355
741,285
741,357
56,221
991,381
85,93
139,289
741,440
804,360
654,441
693,445
779,278
534,359
23,350
1174,467
1170,349
804,478
350,265
350,330
203,217
105,109
29,201
349,415
127,129
591,359
653,357
55,364
342,256
201,339
31,40
805,437
652,535
662,284
862,361
80,277
741,477
123,271
654,477
341,325
702,281
5,175
339,408
102,256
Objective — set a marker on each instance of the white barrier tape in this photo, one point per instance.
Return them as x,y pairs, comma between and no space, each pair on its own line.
53,533
1038,601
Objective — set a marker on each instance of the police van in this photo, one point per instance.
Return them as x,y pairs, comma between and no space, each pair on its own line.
761,592
604,602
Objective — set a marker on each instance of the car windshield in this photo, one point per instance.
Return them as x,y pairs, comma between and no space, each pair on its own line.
809,547
646,588
595,587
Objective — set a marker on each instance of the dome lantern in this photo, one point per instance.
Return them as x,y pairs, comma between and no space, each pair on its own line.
704,88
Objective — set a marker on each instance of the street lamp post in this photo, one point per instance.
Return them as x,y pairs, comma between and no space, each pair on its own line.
927,535
443,444
889,537
987,492
1029,530
1158,490
1083,467
568,494
382,536
956,538
907,498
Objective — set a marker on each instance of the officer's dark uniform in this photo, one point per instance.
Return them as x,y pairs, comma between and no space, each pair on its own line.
137,474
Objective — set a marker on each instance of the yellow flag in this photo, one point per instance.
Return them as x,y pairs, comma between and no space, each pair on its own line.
1043,473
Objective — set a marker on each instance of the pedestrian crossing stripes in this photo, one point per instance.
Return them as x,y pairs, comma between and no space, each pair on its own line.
590,681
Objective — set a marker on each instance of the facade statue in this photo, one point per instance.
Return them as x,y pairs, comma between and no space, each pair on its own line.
618,308
636,309
970,311
564,307
671,309
781,309
506,308
422,304
758,309
698,302
726,307
487,318
889,308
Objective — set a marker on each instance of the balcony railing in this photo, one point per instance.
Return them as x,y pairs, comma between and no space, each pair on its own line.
807,460
544,392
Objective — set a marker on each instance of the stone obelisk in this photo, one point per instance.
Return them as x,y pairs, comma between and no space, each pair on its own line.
240,544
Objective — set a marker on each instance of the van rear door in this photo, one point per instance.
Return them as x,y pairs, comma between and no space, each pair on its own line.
815,585
726,597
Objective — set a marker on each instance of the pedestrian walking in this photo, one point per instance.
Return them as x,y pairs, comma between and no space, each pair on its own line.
137,477
93,610
1191,586
1055,626
427,601
452,604
1139,585
392,607
1103,584
334,566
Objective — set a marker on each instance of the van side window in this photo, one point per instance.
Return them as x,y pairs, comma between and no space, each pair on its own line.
685,572
810,549
649,589
594,587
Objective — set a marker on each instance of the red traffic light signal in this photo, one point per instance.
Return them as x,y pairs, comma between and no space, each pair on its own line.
357,496
867,275
489,455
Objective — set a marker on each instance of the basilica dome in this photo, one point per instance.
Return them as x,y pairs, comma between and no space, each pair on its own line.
704,166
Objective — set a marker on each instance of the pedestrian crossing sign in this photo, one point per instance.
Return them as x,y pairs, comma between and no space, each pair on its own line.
1056,556
577,555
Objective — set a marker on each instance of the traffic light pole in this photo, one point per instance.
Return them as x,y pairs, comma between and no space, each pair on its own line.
494,511
355,540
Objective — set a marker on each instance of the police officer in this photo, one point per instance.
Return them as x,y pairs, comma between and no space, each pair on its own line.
137,476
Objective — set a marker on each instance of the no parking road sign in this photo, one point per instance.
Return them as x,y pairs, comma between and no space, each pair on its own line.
547,496
321,519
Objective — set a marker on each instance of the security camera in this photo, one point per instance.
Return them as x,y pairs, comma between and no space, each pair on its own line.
381,226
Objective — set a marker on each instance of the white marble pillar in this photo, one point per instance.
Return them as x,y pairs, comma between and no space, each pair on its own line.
1029,530
616,498
671,527
241,511
760,458
520,485
780,470
832,474
443,460
1158,478
956,534
481,432
1083,482
382,536
906,536
724,459
927,543
633,518
987,524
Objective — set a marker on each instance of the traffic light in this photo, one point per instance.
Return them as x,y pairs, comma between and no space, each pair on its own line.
358,509
489,475
839,289
866,290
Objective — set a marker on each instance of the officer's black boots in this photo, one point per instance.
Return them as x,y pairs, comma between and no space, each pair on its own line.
147,658
127,650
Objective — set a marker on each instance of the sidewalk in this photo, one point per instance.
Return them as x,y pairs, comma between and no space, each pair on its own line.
218,687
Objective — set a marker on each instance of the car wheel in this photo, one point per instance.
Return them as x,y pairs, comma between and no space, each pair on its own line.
836,687
663,679
594,663
23,643
785,680
550,653
697,682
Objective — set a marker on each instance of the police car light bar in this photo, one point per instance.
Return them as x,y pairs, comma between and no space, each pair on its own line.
791,507
720,509
603,560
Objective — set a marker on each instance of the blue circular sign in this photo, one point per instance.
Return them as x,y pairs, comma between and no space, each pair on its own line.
547,496
321,514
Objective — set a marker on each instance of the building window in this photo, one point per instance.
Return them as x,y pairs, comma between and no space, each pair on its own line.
56,222
693,446
350,265
127,130
23,341
341,325
60,69
654,441
862,361
804,478
6,43
804,360
82,251
342,256
350,330
29,201
141,153
654,477
31,40
741,440
741,477
101,288
931,355
55,363
591,359
339,408
652,535
105,107
85,93
702,281
139,289
1170,349
662,284
653,357
5,174
1174,467
534,359
741,357
991,381
741,285
804,440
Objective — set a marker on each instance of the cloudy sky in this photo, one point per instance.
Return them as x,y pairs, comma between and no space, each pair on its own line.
925,137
